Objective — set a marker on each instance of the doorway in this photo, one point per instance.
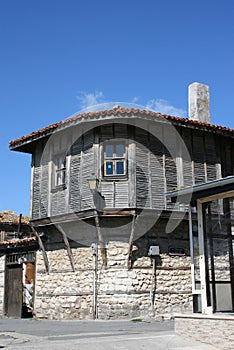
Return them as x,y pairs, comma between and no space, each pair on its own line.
19,285
13,291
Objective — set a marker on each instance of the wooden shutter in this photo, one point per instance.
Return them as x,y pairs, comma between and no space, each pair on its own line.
44,187
36,188
157,174
187,162
198,158
143,191
87,168
211,157
121,194
58,203
75,178
108,191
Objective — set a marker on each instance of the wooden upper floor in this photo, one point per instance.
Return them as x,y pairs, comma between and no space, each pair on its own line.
137,157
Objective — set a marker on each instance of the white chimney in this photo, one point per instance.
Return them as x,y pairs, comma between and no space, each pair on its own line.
199,102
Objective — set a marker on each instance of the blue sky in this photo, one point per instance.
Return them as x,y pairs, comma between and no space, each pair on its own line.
58,56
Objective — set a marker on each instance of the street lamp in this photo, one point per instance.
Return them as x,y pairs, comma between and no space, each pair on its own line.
93,183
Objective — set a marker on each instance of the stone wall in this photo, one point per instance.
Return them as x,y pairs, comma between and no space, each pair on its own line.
121,292
214,329
2,277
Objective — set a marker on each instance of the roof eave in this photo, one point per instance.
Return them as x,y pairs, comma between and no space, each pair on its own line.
192,193
23,144
27,146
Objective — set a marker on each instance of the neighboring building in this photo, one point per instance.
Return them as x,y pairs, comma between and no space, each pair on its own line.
17,260
142,263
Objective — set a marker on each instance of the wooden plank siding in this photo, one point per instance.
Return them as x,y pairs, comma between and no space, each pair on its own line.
158,181
211,157
45,180
227,158
36,183
87,169
143,190
188,163
152,169
198,156
75,178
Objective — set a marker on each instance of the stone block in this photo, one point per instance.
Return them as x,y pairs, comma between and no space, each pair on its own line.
71,299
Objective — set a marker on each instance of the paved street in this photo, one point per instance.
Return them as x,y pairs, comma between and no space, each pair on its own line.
90,335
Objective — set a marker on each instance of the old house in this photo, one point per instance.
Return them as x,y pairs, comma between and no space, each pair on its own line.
17,260
114,244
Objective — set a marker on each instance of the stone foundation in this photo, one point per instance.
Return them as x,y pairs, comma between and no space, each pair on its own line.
121,293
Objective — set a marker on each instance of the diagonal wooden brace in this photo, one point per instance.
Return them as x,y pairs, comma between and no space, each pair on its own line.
41,245
67,245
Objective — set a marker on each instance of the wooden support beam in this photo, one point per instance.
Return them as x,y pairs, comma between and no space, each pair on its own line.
100,240
131,238
41,245
67,245
19,227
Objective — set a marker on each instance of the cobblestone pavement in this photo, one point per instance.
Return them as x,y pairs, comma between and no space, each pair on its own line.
93,335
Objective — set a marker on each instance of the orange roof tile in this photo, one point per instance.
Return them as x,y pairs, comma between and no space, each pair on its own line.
11,218
120,111
18,241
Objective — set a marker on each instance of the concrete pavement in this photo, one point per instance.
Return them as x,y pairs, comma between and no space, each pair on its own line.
93,335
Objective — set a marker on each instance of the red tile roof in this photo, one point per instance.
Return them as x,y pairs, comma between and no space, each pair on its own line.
18,241
120,111
10,217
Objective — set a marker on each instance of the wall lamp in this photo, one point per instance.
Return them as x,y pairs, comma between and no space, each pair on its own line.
93,183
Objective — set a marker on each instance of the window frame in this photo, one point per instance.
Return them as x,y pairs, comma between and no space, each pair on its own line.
60,167
114,159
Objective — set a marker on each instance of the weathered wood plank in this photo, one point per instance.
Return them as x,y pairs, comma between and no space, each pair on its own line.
101,241
41,245
68,248
36,186
211,158
198,158
131,239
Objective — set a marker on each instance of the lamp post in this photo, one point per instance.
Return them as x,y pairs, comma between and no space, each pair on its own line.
93,185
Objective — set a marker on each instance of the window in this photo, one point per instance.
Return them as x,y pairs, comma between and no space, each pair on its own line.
60,170
114,159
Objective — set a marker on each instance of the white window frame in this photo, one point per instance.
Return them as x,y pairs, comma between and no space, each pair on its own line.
114,159
60,168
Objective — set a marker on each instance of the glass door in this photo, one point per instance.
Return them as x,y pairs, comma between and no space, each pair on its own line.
219,243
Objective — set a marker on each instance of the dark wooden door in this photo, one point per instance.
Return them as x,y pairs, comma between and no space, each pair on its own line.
13,291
